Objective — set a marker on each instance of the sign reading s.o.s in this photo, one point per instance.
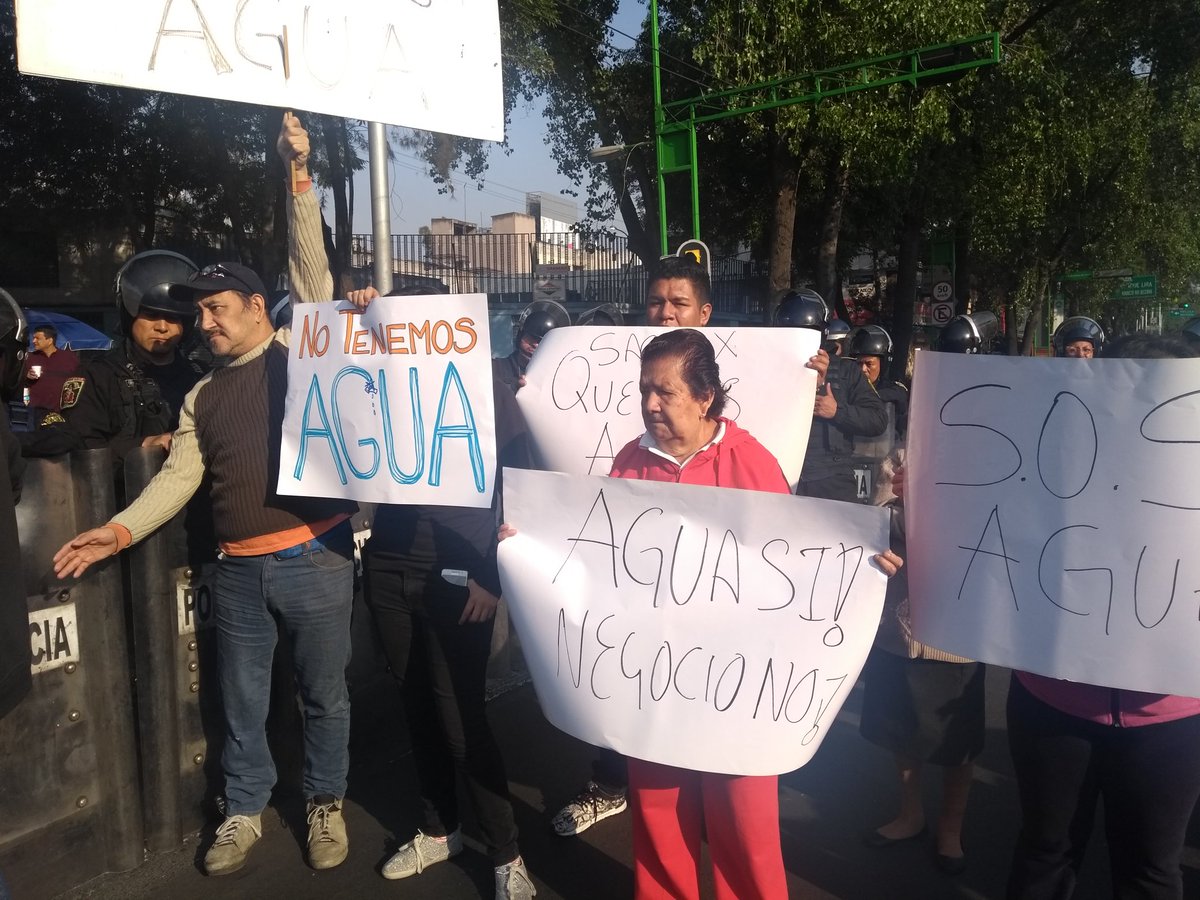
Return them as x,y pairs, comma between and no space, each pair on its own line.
53,638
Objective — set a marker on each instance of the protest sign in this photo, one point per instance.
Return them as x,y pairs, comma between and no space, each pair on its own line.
1052,515
393,405
427,64
707,628
582,403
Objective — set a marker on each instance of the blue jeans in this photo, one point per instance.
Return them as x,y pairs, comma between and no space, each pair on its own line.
310,597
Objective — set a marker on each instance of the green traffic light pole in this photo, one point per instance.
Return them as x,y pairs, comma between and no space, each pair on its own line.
675,123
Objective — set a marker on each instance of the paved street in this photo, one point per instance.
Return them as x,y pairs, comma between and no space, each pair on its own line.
825,806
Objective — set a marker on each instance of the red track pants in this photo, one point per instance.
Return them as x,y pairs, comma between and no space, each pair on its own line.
673,807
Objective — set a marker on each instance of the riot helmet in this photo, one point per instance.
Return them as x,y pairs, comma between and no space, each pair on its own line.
281,310
143,283
1074,330
836,333
871,340
969,333
539,317
14,345
804,308
605,316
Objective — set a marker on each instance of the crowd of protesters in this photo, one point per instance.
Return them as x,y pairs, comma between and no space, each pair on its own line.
432,585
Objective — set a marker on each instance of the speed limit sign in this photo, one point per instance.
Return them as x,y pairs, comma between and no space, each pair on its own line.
941,313
943,291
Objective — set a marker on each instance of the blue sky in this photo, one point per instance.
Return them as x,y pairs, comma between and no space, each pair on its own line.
529,167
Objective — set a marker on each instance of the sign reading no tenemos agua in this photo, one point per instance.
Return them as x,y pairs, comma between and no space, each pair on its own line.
393,405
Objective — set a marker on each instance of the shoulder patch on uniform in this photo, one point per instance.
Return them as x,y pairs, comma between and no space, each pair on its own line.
52,419
72,388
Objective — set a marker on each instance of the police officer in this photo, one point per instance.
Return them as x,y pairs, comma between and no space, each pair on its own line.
971,333
1078,338
14,614
537,319
871,347
846,407
130,397
836,333
606,316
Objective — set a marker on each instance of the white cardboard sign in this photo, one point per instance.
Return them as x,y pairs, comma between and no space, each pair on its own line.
1053,510
707,628
430,64
582,404
393,405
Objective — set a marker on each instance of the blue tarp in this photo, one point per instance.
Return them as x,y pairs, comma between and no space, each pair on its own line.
72,334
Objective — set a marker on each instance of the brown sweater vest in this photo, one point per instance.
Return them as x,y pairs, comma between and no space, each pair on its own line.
239,422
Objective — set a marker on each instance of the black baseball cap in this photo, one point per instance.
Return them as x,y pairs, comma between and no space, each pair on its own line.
226,276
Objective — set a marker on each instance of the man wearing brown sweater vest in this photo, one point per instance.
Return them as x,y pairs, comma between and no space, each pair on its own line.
283,558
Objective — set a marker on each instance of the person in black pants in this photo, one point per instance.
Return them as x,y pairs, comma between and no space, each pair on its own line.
433,586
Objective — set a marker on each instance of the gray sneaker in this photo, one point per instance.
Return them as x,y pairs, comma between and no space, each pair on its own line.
235,837
420,853
591,806
327,841
513,881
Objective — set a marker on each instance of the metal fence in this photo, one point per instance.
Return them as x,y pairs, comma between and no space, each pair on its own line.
506,267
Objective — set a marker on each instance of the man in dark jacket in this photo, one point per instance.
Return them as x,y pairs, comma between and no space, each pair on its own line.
14,612
130,397
846,407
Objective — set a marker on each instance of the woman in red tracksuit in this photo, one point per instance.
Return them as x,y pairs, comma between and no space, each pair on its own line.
686,441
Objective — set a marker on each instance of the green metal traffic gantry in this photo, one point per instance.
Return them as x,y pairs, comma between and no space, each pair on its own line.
675,122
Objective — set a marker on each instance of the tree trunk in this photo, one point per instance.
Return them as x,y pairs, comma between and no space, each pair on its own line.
904,298
785,179
837,183
962,264
1033,322
274,237
332,129
641,232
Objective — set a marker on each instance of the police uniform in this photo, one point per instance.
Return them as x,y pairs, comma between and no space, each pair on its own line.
507,369
830,458
895,393
116,403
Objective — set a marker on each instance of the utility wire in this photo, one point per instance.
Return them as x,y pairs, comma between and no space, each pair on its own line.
706,88
636,40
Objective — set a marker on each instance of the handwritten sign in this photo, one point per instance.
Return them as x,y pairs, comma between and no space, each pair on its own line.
1053,513
708,628
394,405
582,403
430,64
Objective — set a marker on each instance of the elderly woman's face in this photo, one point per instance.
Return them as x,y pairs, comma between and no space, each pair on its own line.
674,417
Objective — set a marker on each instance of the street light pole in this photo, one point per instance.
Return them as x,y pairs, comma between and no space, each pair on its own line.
381,221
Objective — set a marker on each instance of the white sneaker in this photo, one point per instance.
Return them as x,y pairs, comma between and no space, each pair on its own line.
420,853
234,839
513,881
591,806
